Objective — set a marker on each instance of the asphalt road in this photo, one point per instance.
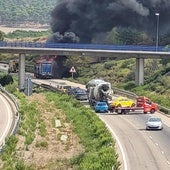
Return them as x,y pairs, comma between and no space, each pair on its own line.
5,119
140,149
4,67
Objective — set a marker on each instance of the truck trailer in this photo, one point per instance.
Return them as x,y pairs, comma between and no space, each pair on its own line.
143,104
98,90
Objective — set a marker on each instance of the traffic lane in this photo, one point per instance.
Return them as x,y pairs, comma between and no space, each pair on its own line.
160,138
139,151
5,119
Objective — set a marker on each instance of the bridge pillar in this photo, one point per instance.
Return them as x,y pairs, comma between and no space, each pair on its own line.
21,73
139,77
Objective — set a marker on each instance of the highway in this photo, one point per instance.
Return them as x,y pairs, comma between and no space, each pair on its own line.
4,67
6,118
138,149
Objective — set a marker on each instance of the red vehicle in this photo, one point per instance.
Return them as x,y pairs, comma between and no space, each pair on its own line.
146,104
142,104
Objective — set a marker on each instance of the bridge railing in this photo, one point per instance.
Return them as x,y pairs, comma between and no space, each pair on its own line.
83,46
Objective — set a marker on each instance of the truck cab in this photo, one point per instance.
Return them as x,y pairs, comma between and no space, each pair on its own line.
146,104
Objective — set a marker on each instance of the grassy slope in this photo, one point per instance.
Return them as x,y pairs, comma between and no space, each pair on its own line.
121,74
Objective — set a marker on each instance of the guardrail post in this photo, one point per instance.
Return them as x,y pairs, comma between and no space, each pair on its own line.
21,73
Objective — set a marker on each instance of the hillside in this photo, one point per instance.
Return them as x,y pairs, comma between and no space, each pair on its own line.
121,74
14,12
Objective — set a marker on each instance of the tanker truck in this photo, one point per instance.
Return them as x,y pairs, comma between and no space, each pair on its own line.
98,90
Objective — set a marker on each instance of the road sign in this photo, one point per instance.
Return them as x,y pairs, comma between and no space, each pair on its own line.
72,70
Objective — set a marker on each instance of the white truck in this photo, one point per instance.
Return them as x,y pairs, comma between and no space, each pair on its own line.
98,90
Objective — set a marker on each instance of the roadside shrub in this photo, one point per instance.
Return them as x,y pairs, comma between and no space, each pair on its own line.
93,134
41,144
5,80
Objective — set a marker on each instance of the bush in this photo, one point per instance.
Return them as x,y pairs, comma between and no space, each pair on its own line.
97,141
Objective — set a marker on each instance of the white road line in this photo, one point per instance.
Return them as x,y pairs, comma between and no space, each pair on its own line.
120,146
8,123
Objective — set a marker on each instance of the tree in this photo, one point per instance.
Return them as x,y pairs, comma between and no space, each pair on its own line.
1,36
128,36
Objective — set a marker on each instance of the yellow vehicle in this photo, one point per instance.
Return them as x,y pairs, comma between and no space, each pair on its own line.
122,102
13,66
64,88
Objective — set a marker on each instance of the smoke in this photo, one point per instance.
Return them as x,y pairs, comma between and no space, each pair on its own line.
92,18
67,37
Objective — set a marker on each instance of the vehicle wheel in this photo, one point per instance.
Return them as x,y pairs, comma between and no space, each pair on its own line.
133,105
145,112
152,111
119,105
118,111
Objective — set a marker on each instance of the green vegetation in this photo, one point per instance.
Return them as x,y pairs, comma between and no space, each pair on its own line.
1,36
128,36
98,143
14,12
99,147
18,34
121,74
6,79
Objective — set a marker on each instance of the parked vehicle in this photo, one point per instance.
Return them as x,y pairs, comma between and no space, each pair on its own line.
101,107
77,90
44,68
98,90
64,88
142,104
146,104
13,66
122,102
154,123
50,66
81,96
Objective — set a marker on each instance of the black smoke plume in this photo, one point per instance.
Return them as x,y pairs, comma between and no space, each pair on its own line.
91,18
67,37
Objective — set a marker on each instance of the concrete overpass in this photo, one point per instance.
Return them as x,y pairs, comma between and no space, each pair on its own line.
85,51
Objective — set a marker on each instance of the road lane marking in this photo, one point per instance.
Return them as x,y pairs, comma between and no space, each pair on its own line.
162,152
9,116
120,145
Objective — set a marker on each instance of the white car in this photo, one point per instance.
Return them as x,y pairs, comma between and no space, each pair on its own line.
154,123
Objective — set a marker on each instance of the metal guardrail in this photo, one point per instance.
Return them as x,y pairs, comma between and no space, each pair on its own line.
133,96
121,92
16,115
124,93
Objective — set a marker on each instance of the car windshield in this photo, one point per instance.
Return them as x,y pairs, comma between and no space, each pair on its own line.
154,119
81,94
67,87
101,104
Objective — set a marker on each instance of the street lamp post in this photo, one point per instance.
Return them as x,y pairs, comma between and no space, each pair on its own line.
157,31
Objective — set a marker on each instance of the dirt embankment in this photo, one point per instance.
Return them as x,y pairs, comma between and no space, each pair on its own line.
61,142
